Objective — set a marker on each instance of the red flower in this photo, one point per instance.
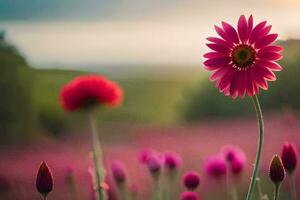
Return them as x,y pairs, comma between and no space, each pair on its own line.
44,180
89,90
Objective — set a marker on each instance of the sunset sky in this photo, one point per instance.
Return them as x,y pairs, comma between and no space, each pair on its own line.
131,33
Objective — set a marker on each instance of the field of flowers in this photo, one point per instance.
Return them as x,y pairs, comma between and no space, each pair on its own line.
70,158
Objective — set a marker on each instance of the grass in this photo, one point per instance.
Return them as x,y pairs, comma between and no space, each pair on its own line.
148,98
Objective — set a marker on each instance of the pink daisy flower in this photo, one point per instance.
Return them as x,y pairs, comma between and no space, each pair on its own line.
243,59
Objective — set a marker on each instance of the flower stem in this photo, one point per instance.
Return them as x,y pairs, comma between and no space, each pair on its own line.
293,187
259,147
97,155
276,193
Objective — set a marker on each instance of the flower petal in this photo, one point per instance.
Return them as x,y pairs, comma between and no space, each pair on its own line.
271,65
214,55
250,24
243,28
266,72
219,73
218,48
219,41
217,62
266,40
256,32
271,56
273,48
226,79
234,85
222,33
231,32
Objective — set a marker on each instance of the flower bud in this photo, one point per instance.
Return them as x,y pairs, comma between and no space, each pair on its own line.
216,167
44,180
154,164
276,171
172,161
119,172
189,196
191,180
289,157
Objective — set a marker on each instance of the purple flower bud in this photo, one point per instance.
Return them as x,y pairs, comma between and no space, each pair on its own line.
191,180
216,167
172,160
44,180
154,163
145,154
189,196
235,157
119,172
289,157
276,171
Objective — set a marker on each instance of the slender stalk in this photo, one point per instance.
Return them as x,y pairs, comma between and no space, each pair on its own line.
259,147
276,193
97,155
293,187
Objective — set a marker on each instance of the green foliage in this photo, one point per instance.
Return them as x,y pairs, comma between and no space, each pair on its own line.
146,100
205,101
17,116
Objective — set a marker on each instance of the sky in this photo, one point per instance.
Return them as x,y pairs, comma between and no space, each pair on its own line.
73,33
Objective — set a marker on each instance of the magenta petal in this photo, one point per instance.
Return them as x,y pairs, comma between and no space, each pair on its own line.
218,48
223,34
217,62
267,73
266,40
231,32
256,32
250,24
219,73
266,30
243,28
274,48
242,83
271,56
234,85
271,65
219,41
214,55
226,79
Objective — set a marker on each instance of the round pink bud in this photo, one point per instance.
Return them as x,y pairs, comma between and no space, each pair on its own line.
119,172
189,196
191,180
289,157
44,180
216,167
276,171
172,160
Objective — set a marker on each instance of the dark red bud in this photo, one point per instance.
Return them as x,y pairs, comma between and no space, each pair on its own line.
44,179
276,171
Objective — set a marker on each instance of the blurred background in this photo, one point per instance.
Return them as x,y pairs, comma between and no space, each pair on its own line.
153,49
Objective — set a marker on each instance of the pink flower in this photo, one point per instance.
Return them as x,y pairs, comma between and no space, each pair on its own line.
216,166
235,157
289,157
191,180
189,196
44,180
243,59
172,160
89,90
154,164
119,172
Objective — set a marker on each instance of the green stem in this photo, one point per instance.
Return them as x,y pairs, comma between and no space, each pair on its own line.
276,192
293,187
97,155
259,147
